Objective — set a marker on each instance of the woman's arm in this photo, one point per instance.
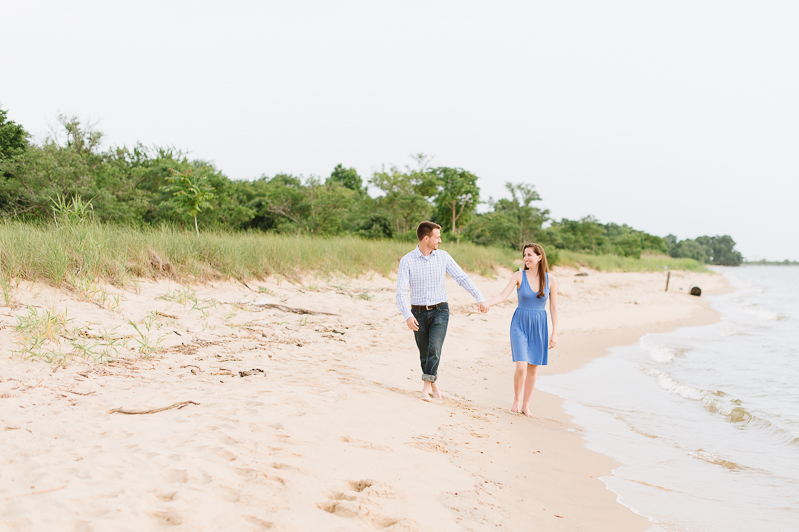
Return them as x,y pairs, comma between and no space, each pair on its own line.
553,310
514,281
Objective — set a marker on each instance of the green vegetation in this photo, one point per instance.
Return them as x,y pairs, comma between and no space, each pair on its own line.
125,212
42,335
646,263
718,250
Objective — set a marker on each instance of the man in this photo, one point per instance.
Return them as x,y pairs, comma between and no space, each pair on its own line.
425,269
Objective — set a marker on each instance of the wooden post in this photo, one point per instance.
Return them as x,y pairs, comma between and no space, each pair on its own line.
668,276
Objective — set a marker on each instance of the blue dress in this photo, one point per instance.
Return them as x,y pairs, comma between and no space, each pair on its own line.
529,332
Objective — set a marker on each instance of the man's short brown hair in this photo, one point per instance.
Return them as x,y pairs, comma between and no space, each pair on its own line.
426,229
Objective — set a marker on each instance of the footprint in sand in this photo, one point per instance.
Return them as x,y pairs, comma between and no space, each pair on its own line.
357,503
261,477
260,524
224,454
228,494
175,475
165,496
429,446
365,444
374,488
168,517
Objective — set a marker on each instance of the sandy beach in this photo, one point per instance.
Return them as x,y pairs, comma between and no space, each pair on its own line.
328,432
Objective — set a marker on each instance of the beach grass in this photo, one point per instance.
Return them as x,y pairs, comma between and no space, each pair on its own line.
66,253
616,263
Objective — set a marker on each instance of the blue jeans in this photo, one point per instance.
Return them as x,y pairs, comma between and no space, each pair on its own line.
430,337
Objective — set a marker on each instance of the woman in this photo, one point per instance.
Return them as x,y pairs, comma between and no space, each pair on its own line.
529,335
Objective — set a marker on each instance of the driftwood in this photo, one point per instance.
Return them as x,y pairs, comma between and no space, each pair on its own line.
159,313
153,411
76,393
284,308
33,493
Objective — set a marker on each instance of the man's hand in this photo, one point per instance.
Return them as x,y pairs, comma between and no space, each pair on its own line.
412,324
482,307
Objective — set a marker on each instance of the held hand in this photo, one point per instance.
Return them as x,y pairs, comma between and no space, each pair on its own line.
553,341
482,307
412,324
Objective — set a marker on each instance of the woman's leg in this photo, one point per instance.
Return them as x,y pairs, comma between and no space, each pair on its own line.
529,385
518,386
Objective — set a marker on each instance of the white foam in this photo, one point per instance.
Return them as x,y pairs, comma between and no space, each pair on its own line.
764,314
659,352
668,383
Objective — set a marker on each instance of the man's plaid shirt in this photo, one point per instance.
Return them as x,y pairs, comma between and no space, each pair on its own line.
426,277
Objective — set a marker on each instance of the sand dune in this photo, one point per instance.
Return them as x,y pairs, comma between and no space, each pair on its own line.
330,435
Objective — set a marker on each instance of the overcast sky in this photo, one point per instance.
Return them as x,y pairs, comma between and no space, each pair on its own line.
673,117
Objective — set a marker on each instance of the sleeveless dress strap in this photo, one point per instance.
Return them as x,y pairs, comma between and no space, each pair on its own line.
527,282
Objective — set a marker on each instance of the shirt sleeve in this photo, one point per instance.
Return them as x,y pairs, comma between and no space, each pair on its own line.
462,279
403,279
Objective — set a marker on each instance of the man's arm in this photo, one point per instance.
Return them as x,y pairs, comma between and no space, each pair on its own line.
462,279
403,278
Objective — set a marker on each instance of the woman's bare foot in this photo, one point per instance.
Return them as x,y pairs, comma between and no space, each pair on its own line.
526,411
515,406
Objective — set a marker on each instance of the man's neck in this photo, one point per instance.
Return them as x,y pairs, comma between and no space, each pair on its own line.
425,251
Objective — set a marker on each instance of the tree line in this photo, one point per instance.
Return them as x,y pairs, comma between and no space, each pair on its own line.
143,186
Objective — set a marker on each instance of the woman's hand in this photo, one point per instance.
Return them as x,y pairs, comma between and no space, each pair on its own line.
553,340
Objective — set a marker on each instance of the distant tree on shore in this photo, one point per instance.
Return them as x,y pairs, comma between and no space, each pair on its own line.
189,192
13,137
347,177
717,250
457,197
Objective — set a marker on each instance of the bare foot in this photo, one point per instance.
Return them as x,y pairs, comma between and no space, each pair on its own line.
515,407
436,392
526,411
426,392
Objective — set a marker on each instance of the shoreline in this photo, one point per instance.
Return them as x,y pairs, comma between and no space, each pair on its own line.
586,345
333,435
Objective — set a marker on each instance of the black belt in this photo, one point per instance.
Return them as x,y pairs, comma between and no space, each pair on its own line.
427,307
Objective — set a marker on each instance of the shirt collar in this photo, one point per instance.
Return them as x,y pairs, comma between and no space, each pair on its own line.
421,255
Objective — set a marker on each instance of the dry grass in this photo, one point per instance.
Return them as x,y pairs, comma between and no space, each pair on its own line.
68,253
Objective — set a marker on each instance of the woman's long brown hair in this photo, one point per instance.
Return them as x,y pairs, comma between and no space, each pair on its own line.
543,267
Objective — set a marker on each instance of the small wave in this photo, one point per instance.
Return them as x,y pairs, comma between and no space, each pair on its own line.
711,458
719,402
660,352
765,314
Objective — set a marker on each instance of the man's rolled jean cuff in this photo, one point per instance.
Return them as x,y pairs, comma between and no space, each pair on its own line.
429,378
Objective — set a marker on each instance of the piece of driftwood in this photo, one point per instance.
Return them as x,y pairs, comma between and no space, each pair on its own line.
77,393
120,410
33,493
248,286
284,308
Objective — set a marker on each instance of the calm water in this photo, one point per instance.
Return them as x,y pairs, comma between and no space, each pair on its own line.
705,419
